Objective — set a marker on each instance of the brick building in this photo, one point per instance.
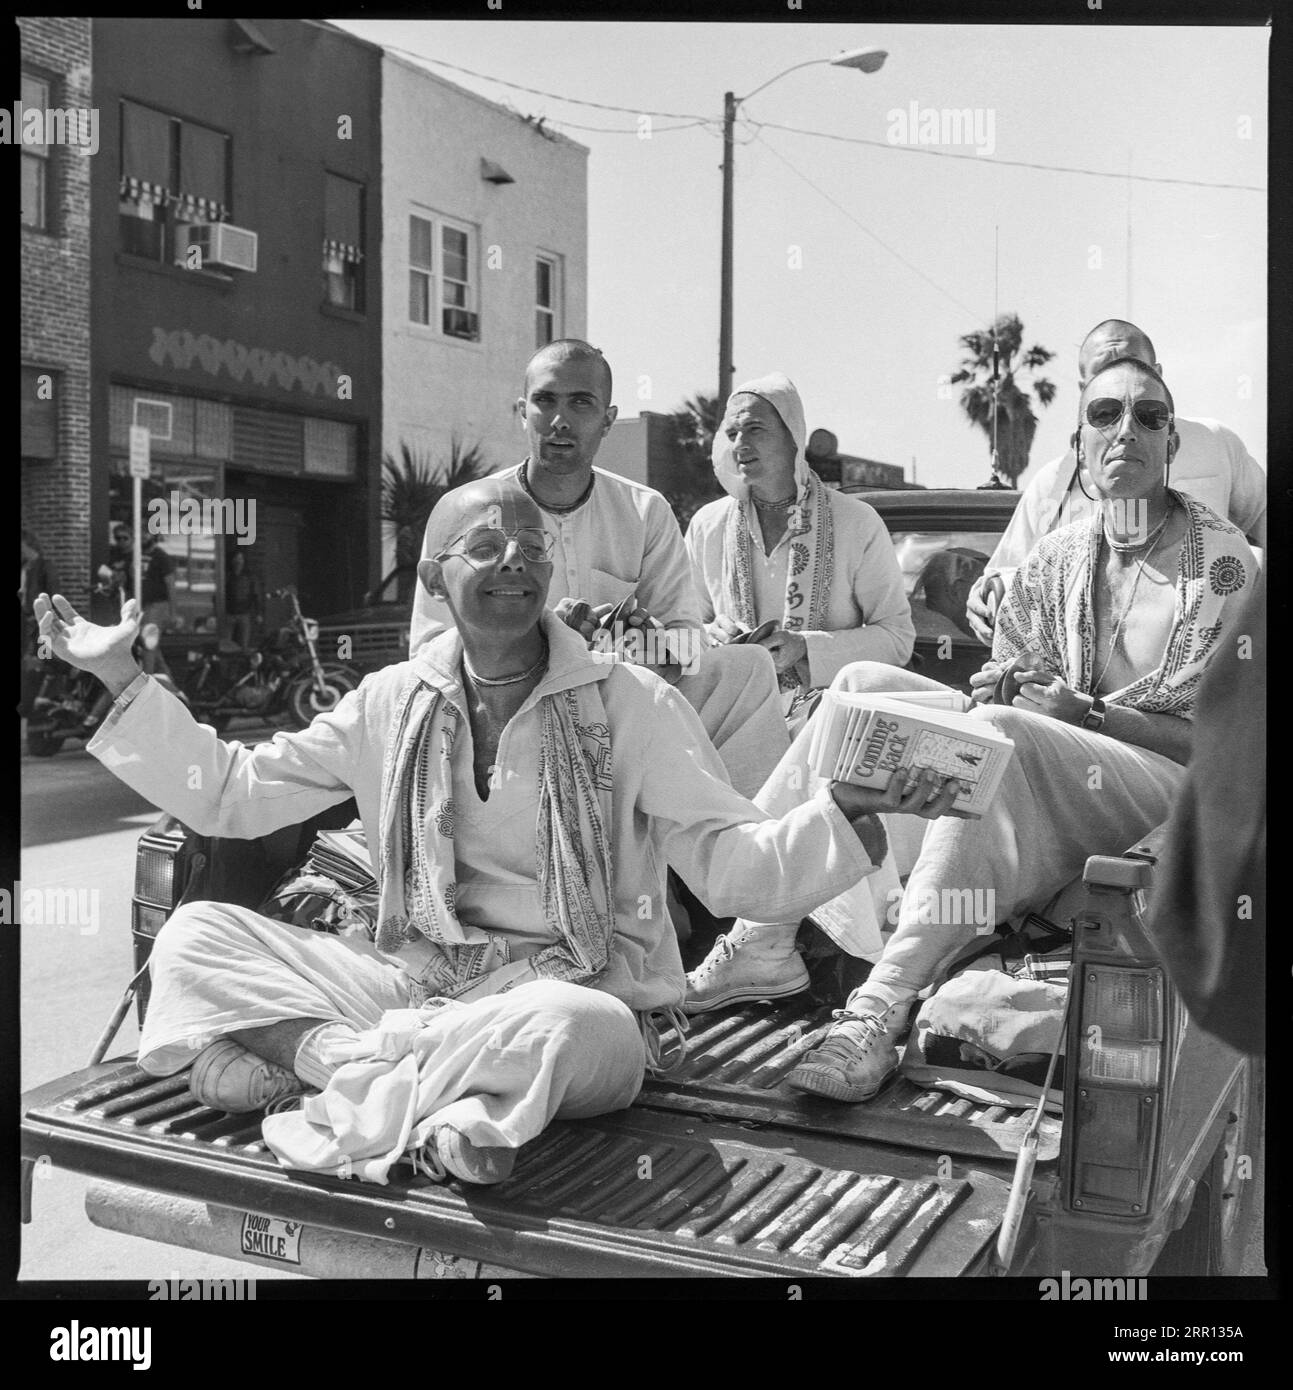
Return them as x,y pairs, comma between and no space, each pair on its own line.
55,311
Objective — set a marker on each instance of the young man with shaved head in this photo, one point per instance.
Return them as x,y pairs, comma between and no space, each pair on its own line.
1211,465
522,797
614,539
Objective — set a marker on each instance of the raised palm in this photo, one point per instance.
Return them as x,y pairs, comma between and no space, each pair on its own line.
81,643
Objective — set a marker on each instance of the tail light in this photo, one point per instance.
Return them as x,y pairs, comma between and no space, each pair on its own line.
166,856
1117,1034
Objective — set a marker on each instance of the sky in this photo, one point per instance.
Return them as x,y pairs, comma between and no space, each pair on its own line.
858,266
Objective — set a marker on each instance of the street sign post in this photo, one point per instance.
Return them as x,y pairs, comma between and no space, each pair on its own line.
140,463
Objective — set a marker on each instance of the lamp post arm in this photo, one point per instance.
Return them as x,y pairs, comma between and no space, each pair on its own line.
809,63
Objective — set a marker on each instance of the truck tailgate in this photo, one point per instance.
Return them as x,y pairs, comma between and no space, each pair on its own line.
648,1191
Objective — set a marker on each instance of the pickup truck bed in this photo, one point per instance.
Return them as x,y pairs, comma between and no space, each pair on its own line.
717,1169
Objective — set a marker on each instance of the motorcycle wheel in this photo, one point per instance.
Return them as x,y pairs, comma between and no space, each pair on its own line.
304,701
41,744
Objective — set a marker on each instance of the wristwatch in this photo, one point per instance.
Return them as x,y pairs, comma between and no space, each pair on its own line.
1093,719
123,701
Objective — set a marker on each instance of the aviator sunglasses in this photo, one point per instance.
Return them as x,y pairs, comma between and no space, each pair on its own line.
1105,412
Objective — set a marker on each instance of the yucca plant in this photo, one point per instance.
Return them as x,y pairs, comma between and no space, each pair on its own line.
412,485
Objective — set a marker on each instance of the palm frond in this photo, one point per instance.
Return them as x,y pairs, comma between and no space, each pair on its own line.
995,402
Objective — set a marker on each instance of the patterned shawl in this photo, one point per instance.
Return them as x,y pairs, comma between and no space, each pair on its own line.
810,569
417,920
1050,608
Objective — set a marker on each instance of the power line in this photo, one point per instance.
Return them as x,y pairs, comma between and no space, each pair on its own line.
1012,163
693,120
621,130
975,316
554,96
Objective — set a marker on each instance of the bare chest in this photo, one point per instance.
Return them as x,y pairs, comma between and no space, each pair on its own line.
1135,611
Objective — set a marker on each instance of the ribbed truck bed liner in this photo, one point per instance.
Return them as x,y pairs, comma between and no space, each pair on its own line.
736,1067
720,1170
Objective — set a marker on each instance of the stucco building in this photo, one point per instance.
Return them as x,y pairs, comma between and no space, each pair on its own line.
484,259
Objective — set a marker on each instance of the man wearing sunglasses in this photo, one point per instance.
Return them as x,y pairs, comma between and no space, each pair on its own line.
619,555
1211,464
522,799
1104,636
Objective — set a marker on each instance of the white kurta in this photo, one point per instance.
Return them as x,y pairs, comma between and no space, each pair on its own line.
671,804
1211,465
868,617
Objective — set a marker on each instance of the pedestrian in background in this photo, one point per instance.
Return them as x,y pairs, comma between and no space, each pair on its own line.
243,602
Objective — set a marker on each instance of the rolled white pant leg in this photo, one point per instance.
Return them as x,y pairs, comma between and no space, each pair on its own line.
217,968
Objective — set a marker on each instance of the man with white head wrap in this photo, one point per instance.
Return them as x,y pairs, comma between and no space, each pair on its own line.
784,547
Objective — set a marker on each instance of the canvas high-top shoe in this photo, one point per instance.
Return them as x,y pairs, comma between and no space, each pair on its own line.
226,1076
448,1153
857,1056
749,962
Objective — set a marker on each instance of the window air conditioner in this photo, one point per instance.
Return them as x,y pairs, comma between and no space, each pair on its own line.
230,248
462,323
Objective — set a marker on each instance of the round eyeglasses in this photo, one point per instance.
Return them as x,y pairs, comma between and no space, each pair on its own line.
486,545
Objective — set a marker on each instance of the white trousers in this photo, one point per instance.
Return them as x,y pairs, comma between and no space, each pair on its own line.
498,1069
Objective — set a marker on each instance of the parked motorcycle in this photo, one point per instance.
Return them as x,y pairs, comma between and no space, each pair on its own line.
284,674
72,703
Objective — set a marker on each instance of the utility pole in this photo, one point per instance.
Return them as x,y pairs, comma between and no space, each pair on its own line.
725,365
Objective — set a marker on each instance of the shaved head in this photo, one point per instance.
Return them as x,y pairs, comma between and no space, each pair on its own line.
565,349
1110,340
496,502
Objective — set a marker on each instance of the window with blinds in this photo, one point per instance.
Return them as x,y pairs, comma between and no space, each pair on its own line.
268,441
173,172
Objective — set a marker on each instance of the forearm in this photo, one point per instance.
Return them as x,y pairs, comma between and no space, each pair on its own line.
779,870
156,747
1159,733
118,674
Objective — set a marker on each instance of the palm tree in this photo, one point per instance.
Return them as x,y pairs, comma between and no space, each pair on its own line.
994,401
414,483
698,421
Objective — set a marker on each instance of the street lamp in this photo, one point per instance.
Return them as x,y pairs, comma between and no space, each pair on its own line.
861,59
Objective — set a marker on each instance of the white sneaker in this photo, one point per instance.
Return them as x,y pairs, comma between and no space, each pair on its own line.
748,963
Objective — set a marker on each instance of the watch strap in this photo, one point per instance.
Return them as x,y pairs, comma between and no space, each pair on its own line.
123,701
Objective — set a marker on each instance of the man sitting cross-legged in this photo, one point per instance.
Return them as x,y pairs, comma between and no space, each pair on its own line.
1118,617
522,798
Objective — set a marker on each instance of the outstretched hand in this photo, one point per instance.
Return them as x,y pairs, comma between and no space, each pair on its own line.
102,651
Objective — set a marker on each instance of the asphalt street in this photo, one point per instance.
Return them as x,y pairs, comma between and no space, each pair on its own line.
79,830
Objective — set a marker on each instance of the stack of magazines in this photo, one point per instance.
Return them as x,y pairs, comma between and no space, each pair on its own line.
343,856
864,738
